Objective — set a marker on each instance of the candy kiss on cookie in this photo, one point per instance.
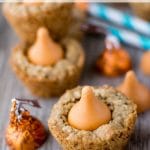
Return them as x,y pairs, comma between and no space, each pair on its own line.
44,51
90,112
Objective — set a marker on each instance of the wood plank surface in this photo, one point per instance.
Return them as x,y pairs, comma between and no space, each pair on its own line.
11,87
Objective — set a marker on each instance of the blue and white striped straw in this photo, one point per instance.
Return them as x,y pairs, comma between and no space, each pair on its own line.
118,17
124,36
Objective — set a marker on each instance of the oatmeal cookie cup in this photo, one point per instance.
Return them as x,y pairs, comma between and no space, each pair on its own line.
112,136
53,80
58,18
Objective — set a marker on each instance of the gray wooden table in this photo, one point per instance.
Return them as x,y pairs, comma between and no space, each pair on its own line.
11,87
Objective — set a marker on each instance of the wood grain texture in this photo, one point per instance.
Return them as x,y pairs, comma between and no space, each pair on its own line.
11,87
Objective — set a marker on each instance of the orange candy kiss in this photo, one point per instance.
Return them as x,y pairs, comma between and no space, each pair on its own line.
90,112
136,91
81,5
145,63
114,60
45,51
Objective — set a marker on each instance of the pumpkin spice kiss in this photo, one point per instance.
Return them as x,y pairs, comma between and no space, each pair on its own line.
90,112
136,91
114,60
24,131
45,51
145,63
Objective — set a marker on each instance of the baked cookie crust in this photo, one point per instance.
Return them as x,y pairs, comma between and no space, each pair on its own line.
111,136
58,18
49,81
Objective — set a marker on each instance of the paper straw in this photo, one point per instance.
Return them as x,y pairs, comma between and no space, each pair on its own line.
124,36
120,18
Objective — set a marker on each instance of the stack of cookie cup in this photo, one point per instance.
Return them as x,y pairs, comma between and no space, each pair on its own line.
58,19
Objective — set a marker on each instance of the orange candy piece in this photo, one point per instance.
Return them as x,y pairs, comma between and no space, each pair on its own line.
114,60
45,51
136,91
83,6
90,112
145,63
